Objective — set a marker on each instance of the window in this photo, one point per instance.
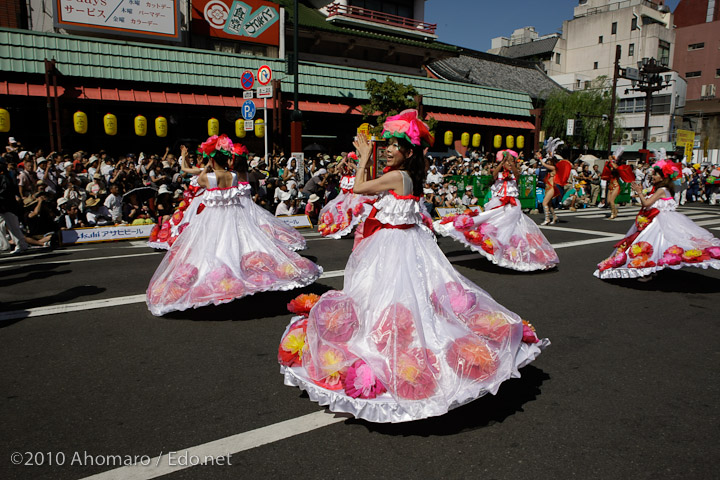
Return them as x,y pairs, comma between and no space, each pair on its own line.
600,39
693,74
631,50
661,105
696,46
633,23
613,29
577,85
587,84
664,53
717,73
557,58
631,105
595,65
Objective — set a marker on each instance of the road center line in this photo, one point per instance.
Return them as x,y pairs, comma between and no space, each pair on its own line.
223,447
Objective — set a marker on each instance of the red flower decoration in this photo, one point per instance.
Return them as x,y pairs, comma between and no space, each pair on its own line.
413,374
154,232
471,357
334,317
394,328
494,326
258,262
292,346
303,303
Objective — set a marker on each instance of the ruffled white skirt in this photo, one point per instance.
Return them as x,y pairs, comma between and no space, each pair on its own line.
504,235
407,338
342,214
223,255
671,240
280,233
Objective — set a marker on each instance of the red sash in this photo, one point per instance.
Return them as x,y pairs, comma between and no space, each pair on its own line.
506,201
372,224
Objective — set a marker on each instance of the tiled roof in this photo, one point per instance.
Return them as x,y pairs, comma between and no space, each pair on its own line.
493,71
529,49
101,59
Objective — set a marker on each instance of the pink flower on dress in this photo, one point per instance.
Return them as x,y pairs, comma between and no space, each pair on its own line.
473,236
618,260
670,259
286,271
257,262
360,381
185,275
640,249
166,293
334,317
327,369
307,267
292,346
471,357
460,299
495,326
358,209
529,335
223,284
641,261
413,374
694,255
154,232
177,217
713,252
394,328
463,222
487,229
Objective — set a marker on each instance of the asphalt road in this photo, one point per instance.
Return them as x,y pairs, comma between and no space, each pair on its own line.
626,389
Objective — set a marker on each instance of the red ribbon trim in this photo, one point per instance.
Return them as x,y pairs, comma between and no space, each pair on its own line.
372,225
506,201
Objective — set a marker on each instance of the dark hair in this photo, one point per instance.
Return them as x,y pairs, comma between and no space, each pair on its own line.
414,165
221,158
666,182
240,163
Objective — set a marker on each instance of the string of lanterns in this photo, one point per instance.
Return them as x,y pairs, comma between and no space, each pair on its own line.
465,140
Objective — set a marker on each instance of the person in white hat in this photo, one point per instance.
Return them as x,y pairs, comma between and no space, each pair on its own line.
313,207
286,205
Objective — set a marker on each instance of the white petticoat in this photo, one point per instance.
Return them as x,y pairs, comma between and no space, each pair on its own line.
342,214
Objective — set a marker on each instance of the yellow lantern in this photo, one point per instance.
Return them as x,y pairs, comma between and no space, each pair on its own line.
465,139
497,141
259,128
213,127
448,138
140,126
161,127
521,141
110,122
80,122
240,128
476,140
4,120
510,141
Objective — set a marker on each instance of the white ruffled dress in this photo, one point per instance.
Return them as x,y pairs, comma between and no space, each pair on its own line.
502,233
344,212
408,337
661,238
224,255
163,236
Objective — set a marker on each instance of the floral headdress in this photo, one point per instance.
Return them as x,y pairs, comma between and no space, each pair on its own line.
499,155
407,125
667,168
214,144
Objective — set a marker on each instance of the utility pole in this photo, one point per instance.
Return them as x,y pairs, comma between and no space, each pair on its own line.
296,116
611,119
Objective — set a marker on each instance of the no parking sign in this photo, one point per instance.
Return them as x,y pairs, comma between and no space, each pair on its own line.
247,79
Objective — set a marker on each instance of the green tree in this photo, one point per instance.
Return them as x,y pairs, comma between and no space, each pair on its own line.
591,103
389,98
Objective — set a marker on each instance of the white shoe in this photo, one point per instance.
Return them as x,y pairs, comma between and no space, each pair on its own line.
546,222
18,251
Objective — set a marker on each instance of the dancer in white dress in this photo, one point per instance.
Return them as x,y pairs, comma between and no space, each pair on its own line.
408,337
661,237
502,233
223,254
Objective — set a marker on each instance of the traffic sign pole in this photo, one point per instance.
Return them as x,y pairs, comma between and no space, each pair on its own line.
266,131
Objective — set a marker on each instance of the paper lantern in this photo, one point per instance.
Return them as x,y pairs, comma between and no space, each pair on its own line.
476,140
497,141
140,126
448,138
110,122
510,141
4,120
213,127
161,127
465,139
259,128
80,122
240,128
521,141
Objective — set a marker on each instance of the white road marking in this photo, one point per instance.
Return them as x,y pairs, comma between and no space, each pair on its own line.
575,230
223,447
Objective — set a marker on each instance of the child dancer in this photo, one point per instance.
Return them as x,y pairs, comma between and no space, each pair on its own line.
223,254
502,233
660,237
408,337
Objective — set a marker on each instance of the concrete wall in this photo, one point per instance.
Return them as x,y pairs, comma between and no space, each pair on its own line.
705,60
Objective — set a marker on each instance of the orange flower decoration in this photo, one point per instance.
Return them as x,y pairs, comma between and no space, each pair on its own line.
302,304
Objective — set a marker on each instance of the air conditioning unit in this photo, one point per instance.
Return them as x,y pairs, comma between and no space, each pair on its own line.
653,139
627,136
703,91
711,90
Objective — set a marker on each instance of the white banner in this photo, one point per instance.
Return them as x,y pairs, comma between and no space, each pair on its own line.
444,211
105,234
296,221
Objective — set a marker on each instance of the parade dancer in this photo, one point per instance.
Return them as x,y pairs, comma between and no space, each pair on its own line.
223,254
614,170
344,212
502,233
551,190
164,235
408,337
661,237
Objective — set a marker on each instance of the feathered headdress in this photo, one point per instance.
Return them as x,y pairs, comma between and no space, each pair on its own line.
618,151
552,145
667,168
222,143
407,125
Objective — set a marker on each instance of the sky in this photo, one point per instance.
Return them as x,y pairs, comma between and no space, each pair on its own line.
474,23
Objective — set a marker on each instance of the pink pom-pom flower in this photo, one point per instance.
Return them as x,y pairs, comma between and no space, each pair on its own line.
394,328
459,299
413,374
471,357
713,252
360,381
334,317
463,222
185,275
257,262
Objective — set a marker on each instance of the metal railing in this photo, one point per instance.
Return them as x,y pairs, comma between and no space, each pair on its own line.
618,6
360,13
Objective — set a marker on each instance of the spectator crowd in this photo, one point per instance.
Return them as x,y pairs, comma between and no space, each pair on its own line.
42,193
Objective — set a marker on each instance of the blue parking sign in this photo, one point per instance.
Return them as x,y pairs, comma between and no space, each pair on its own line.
248,110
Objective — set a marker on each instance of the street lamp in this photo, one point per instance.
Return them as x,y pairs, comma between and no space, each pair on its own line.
649,81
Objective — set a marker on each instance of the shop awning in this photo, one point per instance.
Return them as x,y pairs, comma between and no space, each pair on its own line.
485,121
